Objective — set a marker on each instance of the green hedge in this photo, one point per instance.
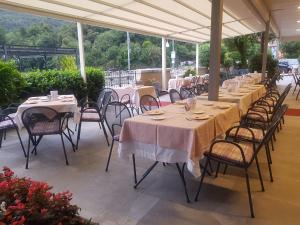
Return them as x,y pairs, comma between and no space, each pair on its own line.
11,83
255,64
66,82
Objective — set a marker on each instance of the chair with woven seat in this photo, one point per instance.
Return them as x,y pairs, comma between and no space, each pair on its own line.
41,121
238,152
114,114
148,102
91,113
6,123
175,95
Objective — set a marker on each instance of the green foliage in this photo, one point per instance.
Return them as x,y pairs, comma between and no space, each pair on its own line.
255,64
11,83
204,52
67,63
189,71
66,82
95,81
2,36
290,49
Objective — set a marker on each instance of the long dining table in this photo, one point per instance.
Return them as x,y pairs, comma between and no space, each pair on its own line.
244,97
173,135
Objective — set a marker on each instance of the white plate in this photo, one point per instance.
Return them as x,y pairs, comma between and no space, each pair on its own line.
180,102
155,112
67,100
223,106
197,111
208,103
158,118
204,94
34,98
31,102
237,94
200,117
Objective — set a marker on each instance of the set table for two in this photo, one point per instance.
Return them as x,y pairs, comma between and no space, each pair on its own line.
135,93
63,104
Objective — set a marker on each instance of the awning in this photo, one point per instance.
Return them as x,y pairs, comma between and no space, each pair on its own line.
184,20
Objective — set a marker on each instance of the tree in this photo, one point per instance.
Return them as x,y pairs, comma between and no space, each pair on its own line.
2,36
290,49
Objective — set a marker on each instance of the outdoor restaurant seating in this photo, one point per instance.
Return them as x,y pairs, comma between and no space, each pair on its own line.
92,112
148,103
7,122
114,114
41,121
175,95
236,151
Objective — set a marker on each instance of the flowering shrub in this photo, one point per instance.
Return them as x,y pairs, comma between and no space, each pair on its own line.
28,202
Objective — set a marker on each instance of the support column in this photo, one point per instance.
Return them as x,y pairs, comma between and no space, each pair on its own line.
197,58
265,50
164,64
215,49
81,51
128,50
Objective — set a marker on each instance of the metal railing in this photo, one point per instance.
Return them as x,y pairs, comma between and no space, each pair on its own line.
120,78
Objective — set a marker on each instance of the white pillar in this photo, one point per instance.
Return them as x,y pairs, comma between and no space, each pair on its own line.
197,58
81,51
265,51
164,64
128,50
215,49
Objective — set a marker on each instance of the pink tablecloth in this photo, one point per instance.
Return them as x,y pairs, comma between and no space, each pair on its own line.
135,93
176,138
244,97
242,81
177,83
65,103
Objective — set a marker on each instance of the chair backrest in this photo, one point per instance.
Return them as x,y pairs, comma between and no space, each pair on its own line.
186,92
174,95
148,102
33,115
114,115
157,87
107,95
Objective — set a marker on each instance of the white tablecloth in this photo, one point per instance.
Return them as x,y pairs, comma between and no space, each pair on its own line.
244,80
65,103
176,138
135,93
177,83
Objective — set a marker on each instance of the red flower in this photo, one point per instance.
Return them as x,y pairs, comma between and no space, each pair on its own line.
21,221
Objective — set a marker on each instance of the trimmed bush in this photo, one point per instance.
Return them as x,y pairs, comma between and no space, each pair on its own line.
11,83
66,82
95,82
255,64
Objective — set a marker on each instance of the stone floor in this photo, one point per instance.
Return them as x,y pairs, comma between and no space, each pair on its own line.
109,198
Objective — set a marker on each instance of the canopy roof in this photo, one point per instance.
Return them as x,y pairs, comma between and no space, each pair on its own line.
185,20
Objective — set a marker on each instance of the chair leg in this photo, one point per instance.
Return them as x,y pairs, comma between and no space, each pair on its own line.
21,142
105,133
78,135
28,152
217,170
109,156
134,168
298,94
181,174
268,154
225,169
64,149
201,180
249,193
1,137
259,174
